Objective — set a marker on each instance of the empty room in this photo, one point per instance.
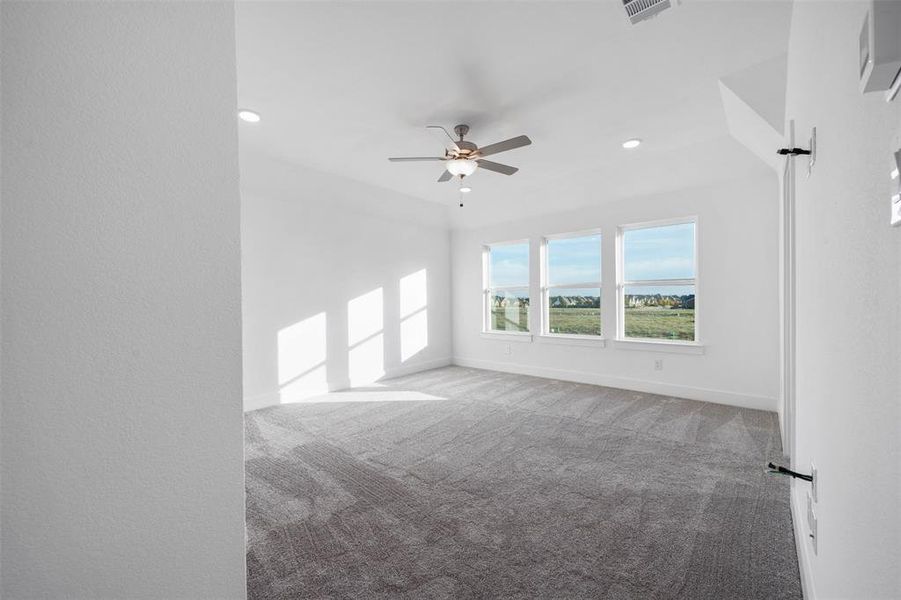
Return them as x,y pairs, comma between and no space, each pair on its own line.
450,299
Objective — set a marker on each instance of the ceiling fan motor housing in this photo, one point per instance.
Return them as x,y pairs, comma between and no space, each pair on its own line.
466,148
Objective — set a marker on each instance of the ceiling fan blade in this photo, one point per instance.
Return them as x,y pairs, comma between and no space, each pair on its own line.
517,142
415,158
497,167
446,176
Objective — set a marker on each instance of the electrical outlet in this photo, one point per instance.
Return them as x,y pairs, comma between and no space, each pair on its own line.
658,364
508,349
813,482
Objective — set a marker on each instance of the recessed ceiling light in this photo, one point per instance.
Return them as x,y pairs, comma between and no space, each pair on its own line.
633,143
465,189
249,116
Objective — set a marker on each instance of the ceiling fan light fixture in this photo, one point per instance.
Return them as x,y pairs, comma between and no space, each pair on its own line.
462,167
465,189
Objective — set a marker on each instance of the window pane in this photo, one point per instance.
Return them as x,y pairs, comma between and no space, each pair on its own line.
574,260
665,313
574,311
508,265
659,252
509,311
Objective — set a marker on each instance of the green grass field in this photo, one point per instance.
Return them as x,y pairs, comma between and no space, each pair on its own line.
575,321
660,323
644,322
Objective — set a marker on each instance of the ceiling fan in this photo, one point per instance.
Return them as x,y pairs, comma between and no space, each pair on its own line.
464,157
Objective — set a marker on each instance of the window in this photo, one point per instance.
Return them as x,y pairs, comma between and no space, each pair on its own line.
657,280
572,285
506,287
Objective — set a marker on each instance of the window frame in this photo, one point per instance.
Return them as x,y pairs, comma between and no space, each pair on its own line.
622,283
546,286
488,291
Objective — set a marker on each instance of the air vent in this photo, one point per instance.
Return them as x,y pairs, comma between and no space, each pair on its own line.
640,10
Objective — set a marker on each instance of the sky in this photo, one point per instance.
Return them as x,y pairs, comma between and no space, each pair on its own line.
574,260
659,252
650,253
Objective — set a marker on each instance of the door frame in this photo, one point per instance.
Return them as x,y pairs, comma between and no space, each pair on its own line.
788,301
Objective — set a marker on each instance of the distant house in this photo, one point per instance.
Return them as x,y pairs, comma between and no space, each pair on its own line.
660,300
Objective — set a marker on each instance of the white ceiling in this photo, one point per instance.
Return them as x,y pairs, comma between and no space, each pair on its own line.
342,86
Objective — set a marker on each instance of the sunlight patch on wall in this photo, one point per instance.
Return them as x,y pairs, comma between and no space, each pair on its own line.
301,359
414,323
364,316
305,387
414,334
301,347
414,293
366,361
365,341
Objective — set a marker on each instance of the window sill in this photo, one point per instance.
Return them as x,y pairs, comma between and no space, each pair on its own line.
507,336
573,340
660,346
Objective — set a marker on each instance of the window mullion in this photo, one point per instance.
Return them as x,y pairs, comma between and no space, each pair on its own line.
658,282
574,286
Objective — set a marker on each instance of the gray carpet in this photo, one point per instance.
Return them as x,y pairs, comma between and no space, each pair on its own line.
463,483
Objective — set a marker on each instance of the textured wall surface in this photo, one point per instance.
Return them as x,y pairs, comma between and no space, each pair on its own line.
849,325
122,472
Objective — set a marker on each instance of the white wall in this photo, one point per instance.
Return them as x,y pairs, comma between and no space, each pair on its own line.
122,431
849,325
737,298
314,245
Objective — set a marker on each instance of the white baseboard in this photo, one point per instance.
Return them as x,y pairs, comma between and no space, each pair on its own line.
273,398
626,383
799,517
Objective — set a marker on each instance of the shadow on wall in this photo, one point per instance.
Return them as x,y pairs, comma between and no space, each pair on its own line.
309,364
